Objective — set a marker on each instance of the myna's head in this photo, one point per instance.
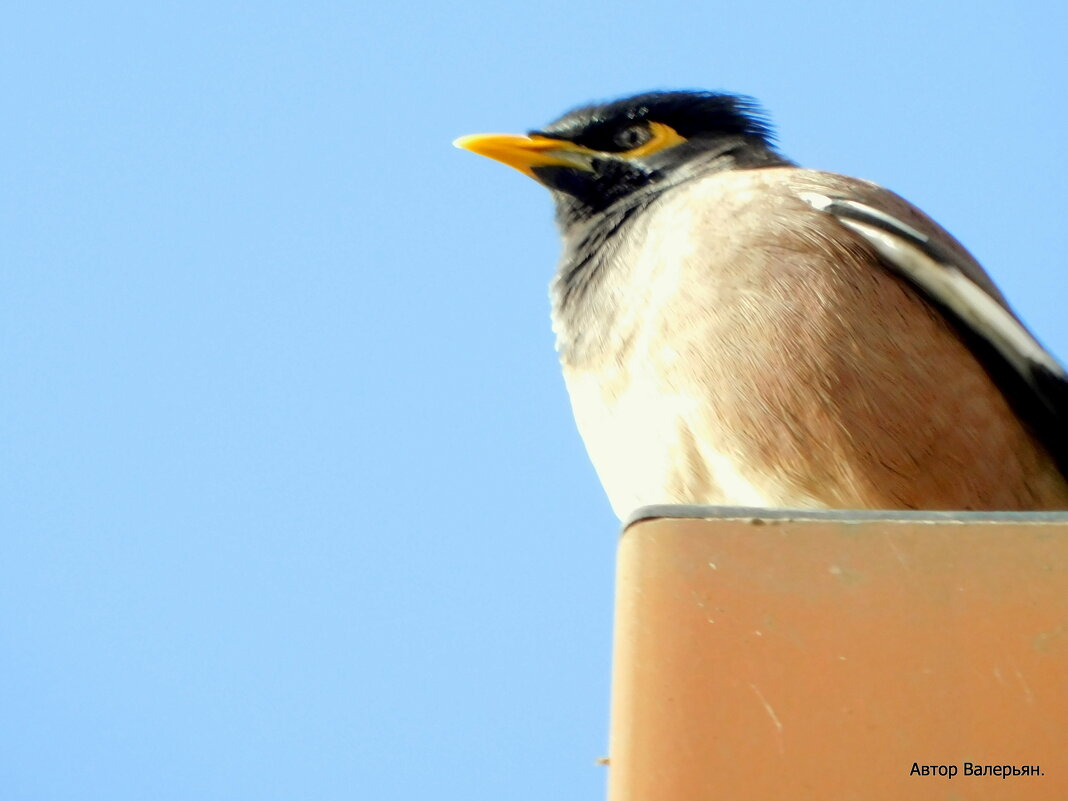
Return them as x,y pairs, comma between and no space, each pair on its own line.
597,155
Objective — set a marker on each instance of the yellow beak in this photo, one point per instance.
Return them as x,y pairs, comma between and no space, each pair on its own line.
526,152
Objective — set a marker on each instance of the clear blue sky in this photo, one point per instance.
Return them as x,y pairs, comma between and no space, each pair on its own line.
291,499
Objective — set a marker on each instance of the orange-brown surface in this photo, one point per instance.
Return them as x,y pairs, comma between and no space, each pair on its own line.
820,660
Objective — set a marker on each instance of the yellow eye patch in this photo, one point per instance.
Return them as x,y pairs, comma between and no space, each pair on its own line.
663,136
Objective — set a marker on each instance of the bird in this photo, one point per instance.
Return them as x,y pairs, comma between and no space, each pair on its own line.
737,330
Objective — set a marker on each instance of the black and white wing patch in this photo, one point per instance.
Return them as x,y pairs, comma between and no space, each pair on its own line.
1033,382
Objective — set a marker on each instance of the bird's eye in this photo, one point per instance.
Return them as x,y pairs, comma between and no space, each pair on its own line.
632,136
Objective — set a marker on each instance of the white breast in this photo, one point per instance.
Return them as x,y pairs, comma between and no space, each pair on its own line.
646,412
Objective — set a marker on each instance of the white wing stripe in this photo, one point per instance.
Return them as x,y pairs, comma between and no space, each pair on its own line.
943,282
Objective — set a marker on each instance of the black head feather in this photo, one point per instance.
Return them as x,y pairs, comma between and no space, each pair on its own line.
721,132
691,113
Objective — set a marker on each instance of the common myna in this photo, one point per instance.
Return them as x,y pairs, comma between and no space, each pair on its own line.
737,330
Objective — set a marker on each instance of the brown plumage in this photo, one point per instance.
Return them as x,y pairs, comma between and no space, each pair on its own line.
779,365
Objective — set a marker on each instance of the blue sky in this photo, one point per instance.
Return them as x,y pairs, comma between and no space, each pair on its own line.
292,503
